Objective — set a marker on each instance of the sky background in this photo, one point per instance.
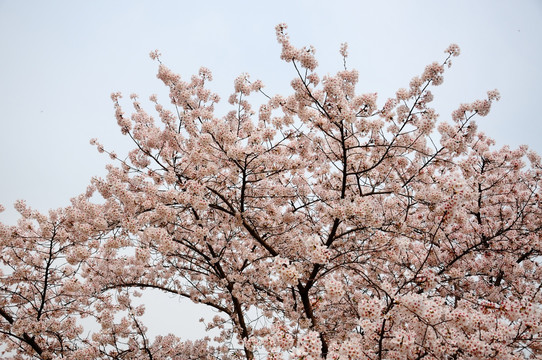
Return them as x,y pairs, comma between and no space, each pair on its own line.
60,61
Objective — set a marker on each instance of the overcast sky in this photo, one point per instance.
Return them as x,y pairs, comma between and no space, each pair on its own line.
60,61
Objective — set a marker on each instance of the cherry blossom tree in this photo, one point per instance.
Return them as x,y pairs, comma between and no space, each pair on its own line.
321,225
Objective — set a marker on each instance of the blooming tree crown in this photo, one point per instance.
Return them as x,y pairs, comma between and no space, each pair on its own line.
320,225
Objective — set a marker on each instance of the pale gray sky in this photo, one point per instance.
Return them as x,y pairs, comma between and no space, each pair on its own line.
62,59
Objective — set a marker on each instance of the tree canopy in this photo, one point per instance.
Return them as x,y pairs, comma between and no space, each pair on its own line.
321,224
